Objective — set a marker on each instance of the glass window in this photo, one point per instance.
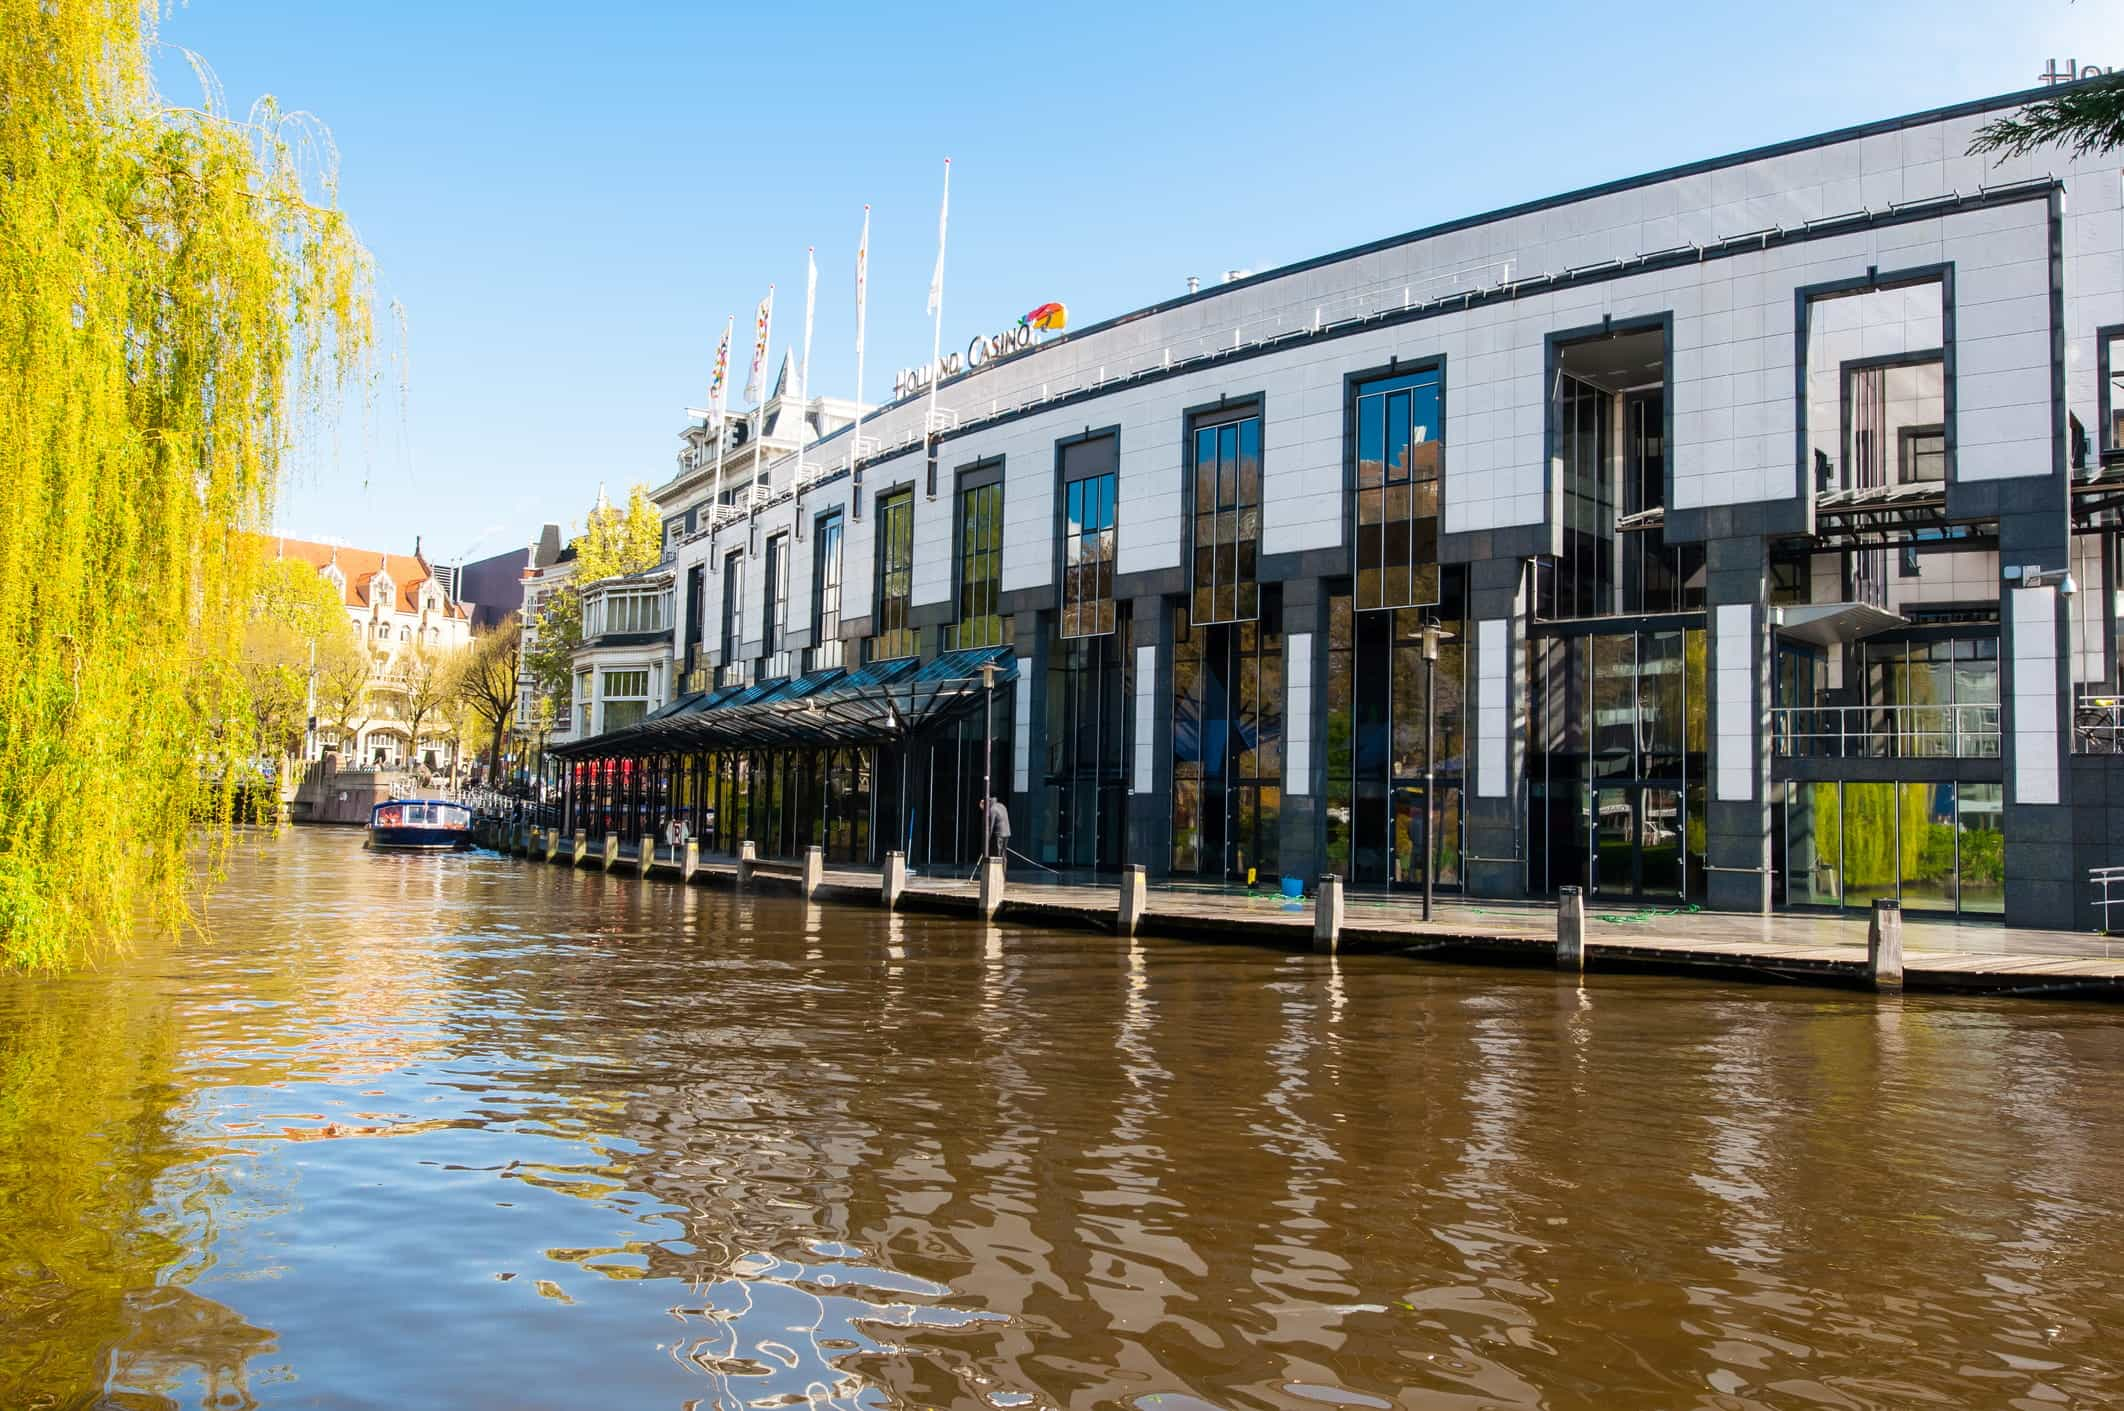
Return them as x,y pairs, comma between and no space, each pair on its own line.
980,560
1896,414
733,605
894,636
1400,431
1227,521
1090,480
826,592
774,616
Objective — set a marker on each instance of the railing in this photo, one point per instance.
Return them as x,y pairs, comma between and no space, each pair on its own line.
1886,732
2098,725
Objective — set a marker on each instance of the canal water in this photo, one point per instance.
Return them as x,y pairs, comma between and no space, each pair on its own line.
467,1132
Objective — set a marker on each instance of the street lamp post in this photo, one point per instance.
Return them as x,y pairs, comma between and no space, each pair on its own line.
1430,740
988,795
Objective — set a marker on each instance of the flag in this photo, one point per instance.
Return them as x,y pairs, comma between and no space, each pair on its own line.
718,381
862,279
811,304
762,328
936,280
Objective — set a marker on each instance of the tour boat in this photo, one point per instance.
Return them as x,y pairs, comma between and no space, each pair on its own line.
431,825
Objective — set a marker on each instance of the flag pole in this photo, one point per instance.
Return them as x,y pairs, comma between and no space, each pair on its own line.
722,433
811,299
855,435
936,307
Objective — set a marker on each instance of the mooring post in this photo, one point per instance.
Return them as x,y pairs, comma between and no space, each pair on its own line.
1884,945
892,881
1327,913
1570,928
814,870
747,856
581,850
991,886
1135,894
552,841
611,850
690,863
645,855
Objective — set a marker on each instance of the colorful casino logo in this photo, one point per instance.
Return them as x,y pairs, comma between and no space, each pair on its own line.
1048,318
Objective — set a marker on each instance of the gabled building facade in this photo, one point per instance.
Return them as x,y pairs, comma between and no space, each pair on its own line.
396,603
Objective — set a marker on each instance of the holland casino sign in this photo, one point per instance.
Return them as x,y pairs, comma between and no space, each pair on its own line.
1048,318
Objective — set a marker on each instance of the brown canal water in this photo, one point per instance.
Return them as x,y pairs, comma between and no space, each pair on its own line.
466,1132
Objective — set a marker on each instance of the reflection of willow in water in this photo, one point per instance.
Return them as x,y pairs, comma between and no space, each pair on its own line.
86,1301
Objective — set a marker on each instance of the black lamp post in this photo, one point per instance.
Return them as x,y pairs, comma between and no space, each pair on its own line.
988,795
1432,634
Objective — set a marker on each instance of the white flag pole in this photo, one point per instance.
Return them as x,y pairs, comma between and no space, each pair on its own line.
936,308
756,391
855,435
811,302
722,431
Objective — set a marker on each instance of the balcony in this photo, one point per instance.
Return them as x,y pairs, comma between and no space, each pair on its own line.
1885,732
2098,725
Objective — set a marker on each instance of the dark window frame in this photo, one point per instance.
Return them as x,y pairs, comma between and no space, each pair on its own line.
774,601
829,537
731,635
1398,376
1805,297
972,627
1233,510
1071,602
892,639
2109,448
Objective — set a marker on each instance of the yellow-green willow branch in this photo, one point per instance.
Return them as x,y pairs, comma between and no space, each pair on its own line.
175,300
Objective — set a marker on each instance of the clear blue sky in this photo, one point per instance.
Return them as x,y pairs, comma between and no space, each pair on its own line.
569,199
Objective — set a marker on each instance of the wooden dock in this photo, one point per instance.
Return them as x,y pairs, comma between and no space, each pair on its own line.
1799,949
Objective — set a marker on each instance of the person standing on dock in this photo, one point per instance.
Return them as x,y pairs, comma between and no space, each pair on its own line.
998,829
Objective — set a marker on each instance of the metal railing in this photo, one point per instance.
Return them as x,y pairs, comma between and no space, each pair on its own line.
1885,732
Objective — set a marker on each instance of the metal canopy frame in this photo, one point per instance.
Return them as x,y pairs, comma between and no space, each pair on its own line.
879,704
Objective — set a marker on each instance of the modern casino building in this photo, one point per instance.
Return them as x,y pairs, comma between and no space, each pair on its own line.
1766,508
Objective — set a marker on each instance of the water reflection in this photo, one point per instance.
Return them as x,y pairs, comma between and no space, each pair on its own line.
469,1132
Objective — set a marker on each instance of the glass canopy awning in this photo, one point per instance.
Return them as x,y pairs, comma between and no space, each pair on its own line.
881,703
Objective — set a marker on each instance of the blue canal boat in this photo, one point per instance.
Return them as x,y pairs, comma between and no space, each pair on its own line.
426,825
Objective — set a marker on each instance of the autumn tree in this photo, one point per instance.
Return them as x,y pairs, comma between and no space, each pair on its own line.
345,676
614,542
296,615
178,297
486,687
424,685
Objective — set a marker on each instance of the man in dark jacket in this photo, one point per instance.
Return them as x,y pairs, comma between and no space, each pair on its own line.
998,829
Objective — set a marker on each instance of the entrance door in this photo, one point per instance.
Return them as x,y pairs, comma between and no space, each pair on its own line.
1614,848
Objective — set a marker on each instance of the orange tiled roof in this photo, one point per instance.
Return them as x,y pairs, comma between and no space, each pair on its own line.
359,567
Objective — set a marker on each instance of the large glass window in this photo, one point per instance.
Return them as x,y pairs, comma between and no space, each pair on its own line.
1226,471
1934,845
1228,746
1400,430
980,558
626,698
895,635
1089,485
733,611
826,591
774,618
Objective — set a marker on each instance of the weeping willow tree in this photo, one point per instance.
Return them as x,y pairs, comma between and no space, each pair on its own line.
177,297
